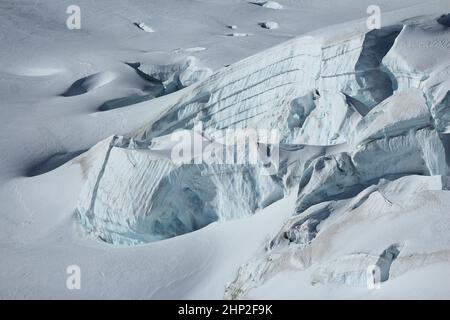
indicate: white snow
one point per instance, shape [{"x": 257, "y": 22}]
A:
[
  {"x": 86, "y": 178},
  {"x": 239, "y": 34},
  {"x": 272, "y": 5}
]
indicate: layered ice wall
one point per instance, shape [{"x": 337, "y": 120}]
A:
[
  {"x": 256, "y": 92},
  {"x": 137, "y": 194},
  {"x": 351, "y": 110},
  {"x": 298, "y": 88}
]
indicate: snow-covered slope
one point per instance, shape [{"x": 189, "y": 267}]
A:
[{"x": 360, "y": 181}]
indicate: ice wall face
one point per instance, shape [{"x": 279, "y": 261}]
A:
[
  {"x": 136, "y": 194},
  {"x": 311, "y": 91},
  {"x": 351, "y": 111}
]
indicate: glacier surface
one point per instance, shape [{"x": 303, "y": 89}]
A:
[{"x": 351, "y": 112}]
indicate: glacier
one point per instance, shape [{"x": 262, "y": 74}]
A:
[
  {"x": 351, "y": 111},
  {"x": 116, "y": 155}
]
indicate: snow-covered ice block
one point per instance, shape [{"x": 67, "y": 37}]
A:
[
  {"x": 144, "y": 27},
  {"x": 398, "y": 114},
  {"x": 178, "y": 75},
  {"x": 239, "y": 34},
  {"x": 269, "y": 25},
  {"x": 271, "y": 5},
  {"x": 406, "y": 62}
]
